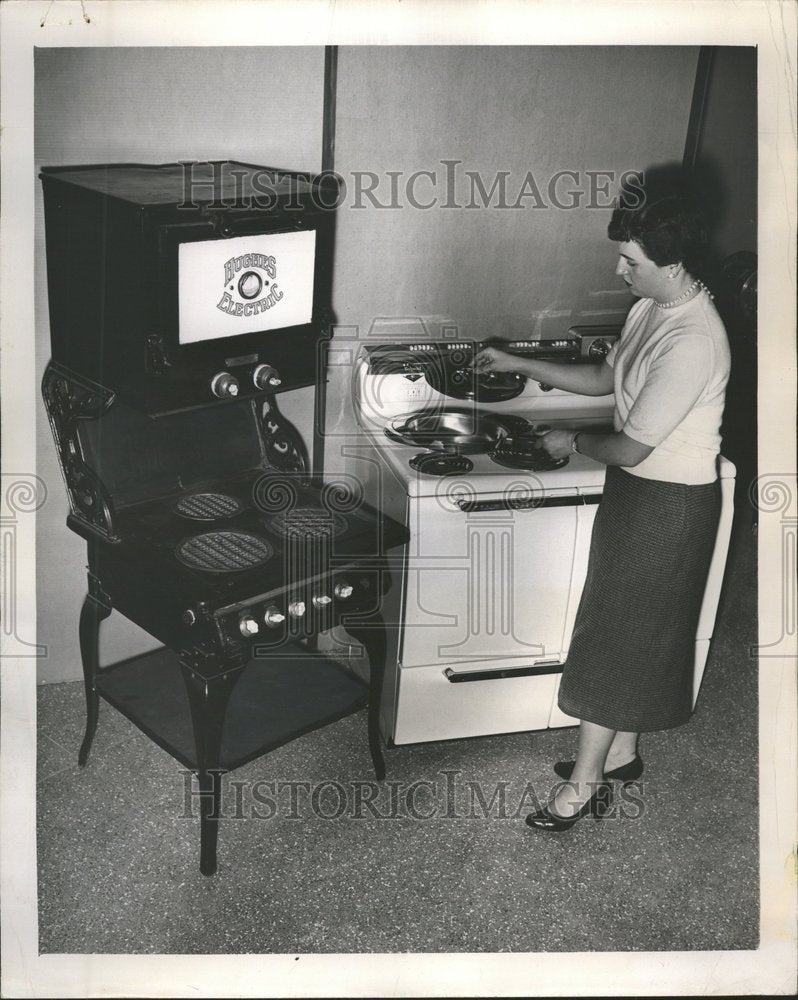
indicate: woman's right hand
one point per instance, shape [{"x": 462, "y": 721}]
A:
[{"x": 491, "y": 359}]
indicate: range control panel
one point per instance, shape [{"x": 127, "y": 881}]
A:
[
  {"x": 580, "y": 344},
  {"x": 297, "y": 612}
]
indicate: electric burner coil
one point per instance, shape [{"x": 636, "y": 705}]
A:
[
  {"x": 459, "y": 382},
  {"x": 433, "y": 463}
]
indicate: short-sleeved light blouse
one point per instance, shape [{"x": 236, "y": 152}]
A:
[{"x": 670, "y": 370}]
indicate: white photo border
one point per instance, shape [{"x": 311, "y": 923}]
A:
[{"x": 768, "y": 24}]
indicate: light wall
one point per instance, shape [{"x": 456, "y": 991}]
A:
[
  {"x": 514, "y": 110},
  {"x": 505, "y": 109},
  {"x": 519, "y": 110}
]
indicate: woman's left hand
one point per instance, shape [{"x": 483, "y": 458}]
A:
[{"x": 557, "y": 443}]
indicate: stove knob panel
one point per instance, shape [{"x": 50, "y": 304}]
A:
[
  {"x": 248, "y": 626},
  {"x": 224, "y": 385},
  {"x": 273, "y": 616},
  {"x": 296, "y": 609},
  {"x": 343, "y": 590},
  {"x": 266, "y": 377}
]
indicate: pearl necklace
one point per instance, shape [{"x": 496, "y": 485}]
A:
[{"x": 698, "y": 283}]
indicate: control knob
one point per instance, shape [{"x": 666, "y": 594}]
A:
[
  {"x": 273, "y": 616},
  {"x": 321, "y": 600},
  {"x": 248, "y": 626},
  {"x": 266, "y": 377},
  {"x": 343, "y": 590},
  {"x": 296, "y": 609},
  {"x": 598, "y": 349},
  {"x": 224, "y": 385}
]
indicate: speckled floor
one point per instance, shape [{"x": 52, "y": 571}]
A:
[{"x": 674, "y": 868}]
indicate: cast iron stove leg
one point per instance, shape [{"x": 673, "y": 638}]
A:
[
  {"x": 208, "y": 701},
  {"x": 92, "y": 613},
  {"x": 372, "y": 633}
]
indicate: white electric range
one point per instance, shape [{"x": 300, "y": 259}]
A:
[{"x": 491, "y": 578}]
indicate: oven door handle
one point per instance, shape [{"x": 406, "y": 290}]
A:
[
  {"x": 534, "y": 669},
  {"x": 528, "y": 503}
]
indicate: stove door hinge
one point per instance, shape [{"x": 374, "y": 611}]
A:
[
  {"x": 218, "y": 218},
  {"x": 97, "y": 592},
  {"x": 157, "y": 357},
  {"x": 230, "y": 221},
  {"x": 228, "y": 645}
]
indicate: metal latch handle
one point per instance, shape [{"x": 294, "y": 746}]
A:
[
  {"x": 528, "y": 503},
  {"x": 534, "y": 669}
]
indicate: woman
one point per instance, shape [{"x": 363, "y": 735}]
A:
[{"x": 630, "y": 665}]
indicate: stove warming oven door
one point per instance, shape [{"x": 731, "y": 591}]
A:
[{"x": 491, "y": 591}]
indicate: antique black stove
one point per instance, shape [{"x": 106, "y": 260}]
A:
[{"x": 184, "y": 298}]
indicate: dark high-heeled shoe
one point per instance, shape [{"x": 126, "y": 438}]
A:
[
  {"x": 626, "y": 772},
  {"x": 597, "y": 805}
]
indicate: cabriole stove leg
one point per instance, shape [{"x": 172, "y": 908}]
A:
[{"x": 91, "y": 615}]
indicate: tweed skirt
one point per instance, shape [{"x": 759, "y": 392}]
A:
[{"x": 630, "y": 663}]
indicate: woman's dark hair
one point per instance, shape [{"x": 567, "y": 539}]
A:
[{"x": 663, "y": 217}]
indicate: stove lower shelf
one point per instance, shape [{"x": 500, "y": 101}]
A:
[{"x": 276, "y": 699}]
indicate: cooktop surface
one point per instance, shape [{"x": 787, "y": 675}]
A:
[
  {"x": 500, "y": 468},
  {"x": 226, "y": 541}
]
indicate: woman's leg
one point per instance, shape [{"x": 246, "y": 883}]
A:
[
  {"x": 623, "y": 750},
  {"x": 594, "y": 744}
]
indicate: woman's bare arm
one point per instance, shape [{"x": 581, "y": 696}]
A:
[
  {"x": 587, "y": 380},
  {"x": 615, "y": 448}
]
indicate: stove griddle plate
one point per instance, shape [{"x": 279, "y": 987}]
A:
[
  {"x": 183, "y": 561},
  {"x": 308, "y": 522},
  {"x": 207, "y": 506},
  {"x": 224, "y": 551}
]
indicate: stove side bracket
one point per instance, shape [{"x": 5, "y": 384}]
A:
[
  {"x": 70, "y": 398},
  {"x": 284, "y": 447}
]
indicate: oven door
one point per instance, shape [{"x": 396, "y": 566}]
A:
[{"x": 491, "y": 594}]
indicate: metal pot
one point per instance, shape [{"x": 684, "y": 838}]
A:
[{"x": 466, "y": 432}]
